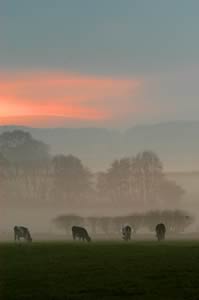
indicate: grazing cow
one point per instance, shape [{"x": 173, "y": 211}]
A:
[
  {"x": 22, "y": 232},
  {"x": 126, "y": 233},
  {"x": 81, "y": 233},
  {"x": 160, "y": 231}
]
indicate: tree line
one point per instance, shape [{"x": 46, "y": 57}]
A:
[
  {"x": 30, "y": 173},
  {"x": 176, "y": 221}
]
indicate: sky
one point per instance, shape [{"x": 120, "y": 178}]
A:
[{"x": 106, "y": 63}]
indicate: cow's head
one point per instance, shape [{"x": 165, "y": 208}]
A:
[
  {"x": 88, "y": 239},
  {"x": 29, "y": 238}
]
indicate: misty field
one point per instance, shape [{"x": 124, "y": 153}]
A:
[{"x": 101, "y": 270}]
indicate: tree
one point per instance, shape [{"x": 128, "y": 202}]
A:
[
  {"x": 148, "y": 173},
  {"x": 135, "y": 220},
  {"x": 72, "y": 181},
  {"x": 101, "y": 184},
  {"x": 170, "y": 193},
  {"x": 19, "y": 147},
  {"x": 104, "y": 223},
  {"x": 139, "y": 180},
  {"x": 118, "y": 222},
  {"x": 92, "y": 222},
  {"x": 115, "y": 182},
  {"x": 67, "y": 221},
  {"x": 28, "y": 165},
  {"x": 176, "y": 221}
]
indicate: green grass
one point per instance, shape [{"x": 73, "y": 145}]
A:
[{"x": 117, "y": 270}]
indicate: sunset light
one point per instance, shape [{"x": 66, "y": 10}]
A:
[
  {"x": 99, "y": 149},
  {"x": 42, "y": 95}
]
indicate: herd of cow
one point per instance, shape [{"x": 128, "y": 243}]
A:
[{"x": 81, "y": 233}]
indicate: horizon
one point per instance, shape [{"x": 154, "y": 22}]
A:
[
  {"x": 99, "y": 127},
  {"x": 120, "y": 129},
  {"x": 169, "y": 140}
]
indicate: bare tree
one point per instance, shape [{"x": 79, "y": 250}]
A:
[
  {"x": 115, "y": 182},
  {"x": 149, "y": 174},
  {"x": 72, "y": 181},
  {"x": 67, "y": 221},
  {"x": 28, "y": 166}
]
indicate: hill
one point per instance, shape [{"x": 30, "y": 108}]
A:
[{"x": 176, "y": 143}]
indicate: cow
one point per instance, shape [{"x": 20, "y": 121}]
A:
[
  {"x": 80, "y": 233},
  {"x": 22, "y": 232},
  {"x": 126, "y": 233},
  {"x": 160, "y": 231}
]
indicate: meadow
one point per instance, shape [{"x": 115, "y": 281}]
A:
[{"x": 100, "y": 270}]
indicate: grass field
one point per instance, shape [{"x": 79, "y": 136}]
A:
[{"x": 115, "y": 270}]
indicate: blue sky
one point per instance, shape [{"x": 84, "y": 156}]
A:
[{"x": 155, "y": 42}]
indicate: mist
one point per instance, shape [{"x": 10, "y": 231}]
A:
[{"x": 38, "y": 186}]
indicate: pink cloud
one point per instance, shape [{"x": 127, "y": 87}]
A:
[{"x": 70, "y": 96}]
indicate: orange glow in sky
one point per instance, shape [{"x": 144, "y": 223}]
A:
[{"x": 44, "y": 96}]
